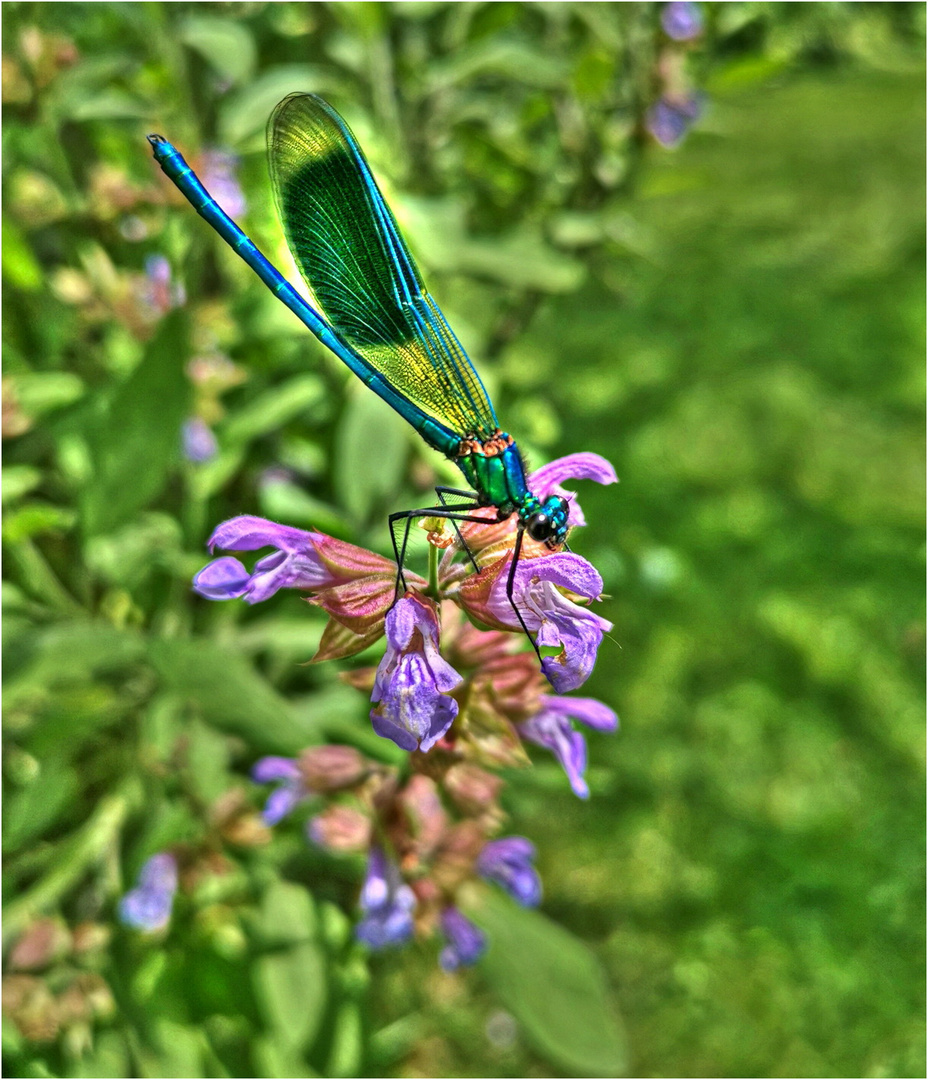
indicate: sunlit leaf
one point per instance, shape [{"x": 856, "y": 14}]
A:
[
  {"x": 137, "y": 442},
  {"x": 554, "y": 987},
  {"x": 225, "y": 43}
]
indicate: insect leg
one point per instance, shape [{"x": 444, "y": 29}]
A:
[
  {"x": 509, "y": 584},
  {"x": 407, "y": 517},
  {"x": 441, "y": 492}
]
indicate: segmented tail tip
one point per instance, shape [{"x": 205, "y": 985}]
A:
[{"x": 156, "y": 140}]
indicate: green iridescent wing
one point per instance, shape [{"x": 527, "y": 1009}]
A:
[{"x": 348, "y": 248}]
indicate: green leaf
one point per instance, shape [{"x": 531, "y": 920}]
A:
[
  {"x": 223, "y": 42},
  {"x": 372, "y": 444},
  {"x": 20, "y": 267},
  {"x": 231, "y": 695},
  {"x": 246, "y": 113},
  {"x": 69, "y": 652},
  {"x": 521, "y": 258},
  {"x": 553, "y": 985},
  {"x": 33, "y": 518},
  {"x": 272, "y": 409},
  {"x": 281, "y": 500},
  {"x": 125, "y": 557},
  {"x": 347, "y": 1042},
  {"x": 291, "y": 983},
  {"x": 19, "y": 480},
  {"x": 135, "y": 445},
  {"x": 40, "y": 392},
  {"x": 287, "y": 915}
]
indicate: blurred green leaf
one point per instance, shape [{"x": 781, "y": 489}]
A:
[
  {"x": 246, "y": 113},
  {"x": 519, "y": 259},
  {"x": 504, "y": 58},
  {"x": 281, "y": 500},
  {"x": 18, "y": 480},
  {"x": 347, "y": 1042},
  {"x": 230, "y": 694},
  {"x": 126, "y": 555},
  {"x": 291, "y": 982},
  {"x": 19, "y": 264},
  {"x": 274, "y": 408},
  {"x": 33, "y": 518},
  {"x": 134, "y": 446},
  {"x": 181, "y": 1048},
  {"x": 69, "y": 652},
  {"x": 372, "y": 446},
  {"x": 41, "y": 392},
  {"x": 31, "y": 810},
  {"x": 223, "y": 42},
  {"x": 553, "y": 985}
]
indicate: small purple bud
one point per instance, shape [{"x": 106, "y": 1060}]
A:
[
  {"x": 669, "y": 119},
  {"x": 466, "y": 943},
  {"x": 682, "y": 21},
  {"x": 387, "y": 903},
  {"x": 198, "y": 440},
  {"x": 291, "y": 789},
  {"x": 148, "y": 905},
  {"x": 508, "y": 863}
]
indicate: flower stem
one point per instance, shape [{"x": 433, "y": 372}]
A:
[{"x": 432, "y": 587}]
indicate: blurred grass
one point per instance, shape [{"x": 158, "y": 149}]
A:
[
  {"x": 751, "y": 863},
  {"x": 747, "y": 348}
]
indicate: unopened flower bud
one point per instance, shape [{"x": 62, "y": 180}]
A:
[
  {"x": 44, "y": 941},
  {"x": 472, "y": 789},
  {"x": 331, "y": 768},
  {"x": 340, "y": 829}
]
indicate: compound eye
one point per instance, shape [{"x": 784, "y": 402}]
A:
[{"x": 539, "y": 527}]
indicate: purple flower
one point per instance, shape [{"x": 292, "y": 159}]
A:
[
  {"x": 411, "y": 706},
  {"x": 158, "y": 294},
  {"x": 551, "y": 728},
  {"x": 465, "y": 942},
  {"x": 302, "y": 560},
  {"x": 555, "y": 620},
  {"x": 508, "y": 863},
  {"x": 217, "y": 170},
  {"x": 198, "y": 440},
  {"x": 547, "y": 480},
  {"x": 669, "y": 119},
  {"x": 148, "y": 905},
  {"x": 387, "y": 903},
  {"x": 291, "y": 787},
  {"x": 682, "y": 21}
]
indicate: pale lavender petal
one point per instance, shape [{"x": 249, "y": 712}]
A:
[
  {"x": 387, "y": 903},
  {"x": 280, "y": 570},
  {"x": 269, "y": 770},
  {"x": 222, "y": 579},
  {"x": 248, "y": 533},
  {"x": 548, "y": 480},
  {"x": 508, "y": 863},
  {"x": 466, "y": 943},
  {"x": 556, "y": 621},
  {"x": 159, "y": 872},
  {"x": 279, "y": 803},
  {"x": 681, "y": 20},
  {"x": 556, "y": 734},
  {"x": 148, "y": 905},
  {"x": 588, "y": 711}
]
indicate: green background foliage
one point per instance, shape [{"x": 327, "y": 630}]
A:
[{"x": 737, "y": 325}]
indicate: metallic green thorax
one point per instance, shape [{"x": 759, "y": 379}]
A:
[{"x": 495, "y": 470}]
